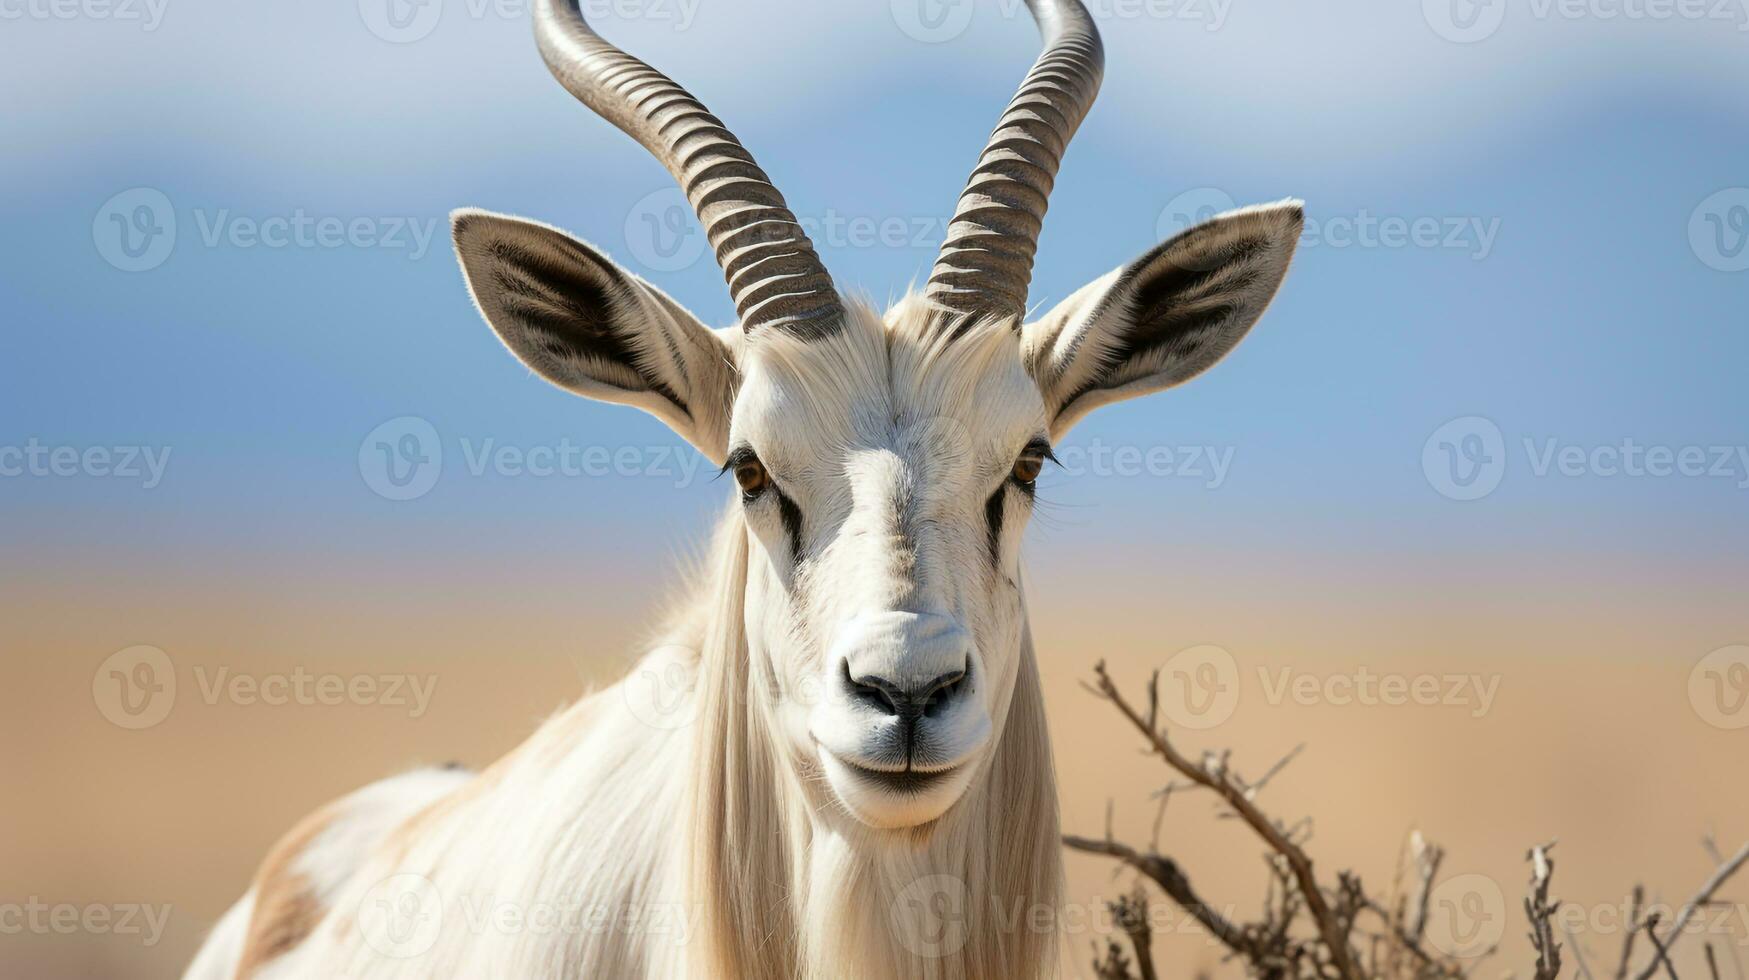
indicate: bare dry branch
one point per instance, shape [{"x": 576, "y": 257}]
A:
[
  {"x": 1216, "y": 776},
  {"x": 1719, "y": 876},
  {"x": 1541, "y": 911},
  {"x": 1661, "y": 951},
  {"x": 1166, "y": 873},
  {"x": 1633, "y": 929},
  {"x": 1279, "y": 946}
]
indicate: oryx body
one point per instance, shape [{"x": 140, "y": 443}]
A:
[{"x": 835, "y": 761}]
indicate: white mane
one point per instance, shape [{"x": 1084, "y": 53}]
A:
[{"x": 604, "y": 847}]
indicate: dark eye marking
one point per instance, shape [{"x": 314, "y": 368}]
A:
[
  {"x": 993, "y": 509},
  {"x": 792, "y": 524},
  {"x": 1023, "y": 478}
]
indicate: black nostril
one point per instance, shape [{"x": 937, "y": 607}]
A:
[
  {"x": 943, "y": 690},
  {"x": 874, "y": 692},
  {"x": 926, "y": 700}
]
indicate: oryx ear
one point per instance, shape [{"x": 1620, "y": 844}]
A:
[
  {"x": 1165, "y": 318},
  {"x": 589, "y": 326}
]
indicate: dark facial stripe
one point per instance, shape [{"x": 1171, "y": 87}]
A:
[
  {"x": 792, "y": 523},
  {"x": 993, "y": 512}
]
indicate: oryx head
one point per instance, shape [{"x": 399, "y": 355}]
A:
[{"x": 885, "y": 464}]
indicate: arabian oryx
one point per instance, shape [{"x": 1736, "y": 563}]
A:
[{"x": 857, "y": 780}]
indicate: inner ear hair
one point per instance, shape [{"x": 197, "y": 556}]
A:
[{"x": 565, "y": 309}]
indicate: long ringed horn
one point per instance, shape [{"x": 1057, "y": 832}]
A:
[
  {"x": 774, "y": 275},
  {"x": 985, "y": 263}
]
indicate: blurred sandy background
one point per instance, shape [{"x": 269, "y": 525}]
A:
[{"x": 1591, "y": 736}]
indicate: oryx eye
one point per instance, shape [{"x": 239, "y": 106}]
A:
[
  {"x": 750, "y": 474},
  {"x": 1027, "y": 467}
]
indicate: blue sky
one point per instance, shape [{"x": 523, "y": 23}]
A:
[{"x": 1564, "y": 160}]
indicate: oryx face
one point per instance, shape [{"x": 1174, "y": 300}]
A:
[
  {"x": 884, "y": 466},
  {"x": 886, "y": 477}
]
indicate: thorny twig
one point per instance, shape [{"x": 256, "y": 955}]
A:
[
  {"x": 1228, "y": 789},
  {"x": 1270, "y": 949},
  {"x": 1701, "y": 898},
  {"x": 1541, "y": 912}
]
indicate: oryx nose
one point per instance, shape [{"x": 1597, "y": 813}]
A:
[
  {"x": 922, "y": 701},
  {"x": 906, "y": 665}
]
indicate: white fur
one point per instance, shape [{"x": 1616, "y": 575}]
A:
[{"x": 732, "y": 833}]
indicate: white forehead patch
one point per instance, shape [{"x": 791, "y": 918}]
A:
[{"x": 895, "y": 385}]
